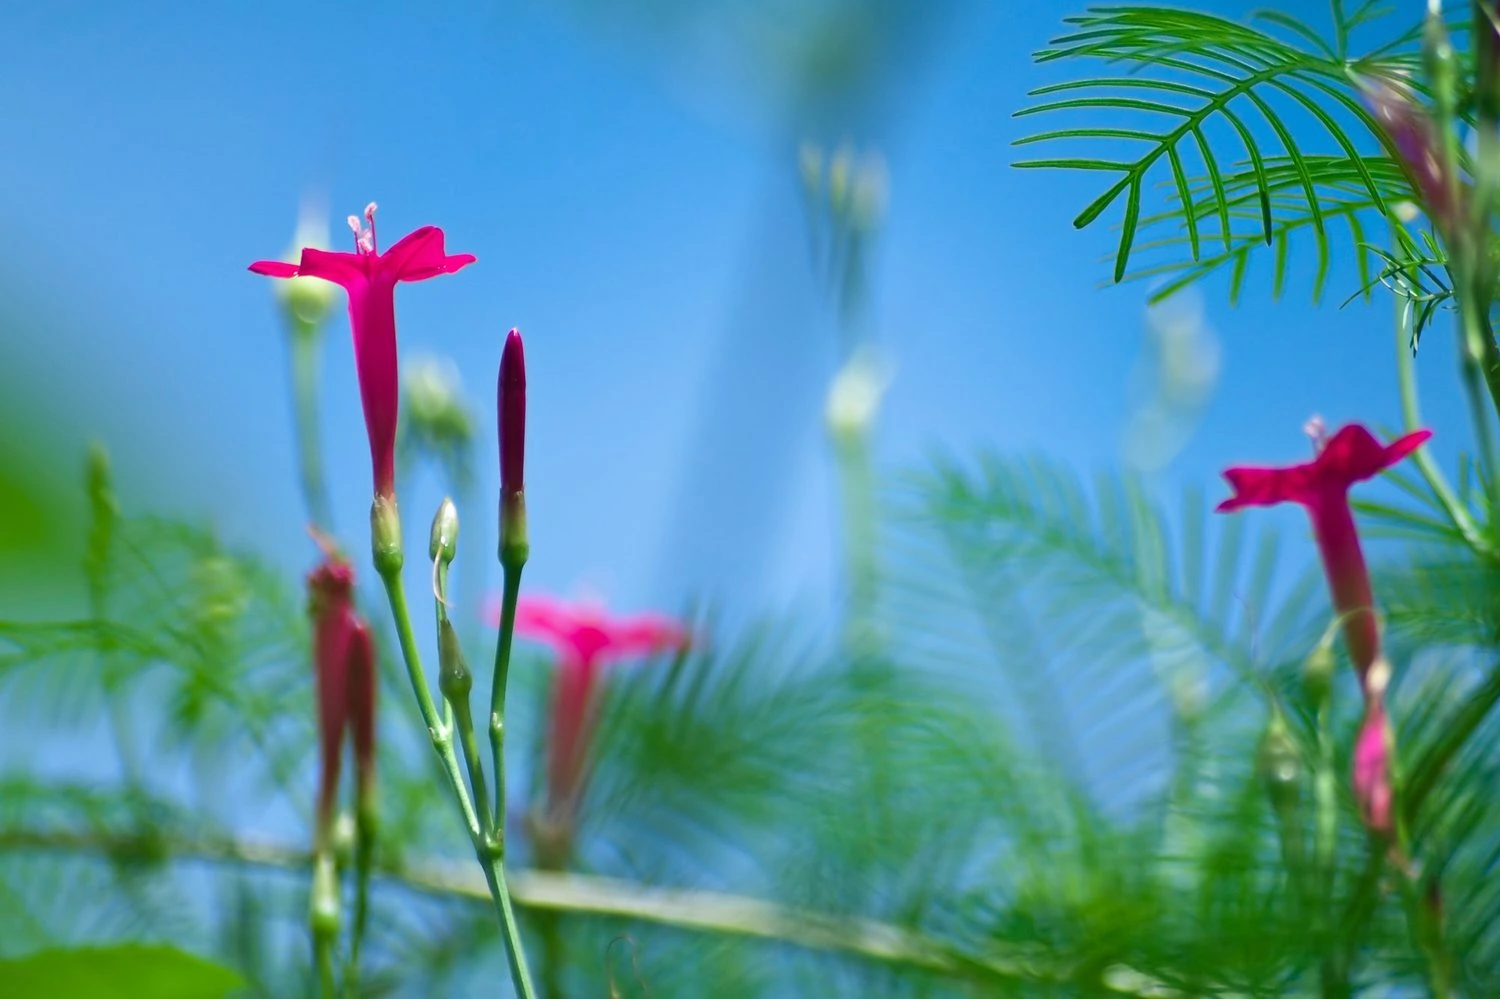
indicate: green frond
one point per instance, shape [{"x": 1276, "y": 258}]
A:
[{"x": 1194, "y": 78}]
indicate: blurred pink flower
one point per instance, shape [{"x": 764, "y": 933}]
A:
[
  {"x": 585, "y": 640},
  {"x": 344, "y": 661},
  {"x": 1372, "y": 770},
  {"x": 1322, "y": 486},
  {"x": 370, "y": 277}
]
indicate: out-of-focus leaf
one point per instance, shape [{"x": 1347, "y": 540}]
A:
[{"x": 130, "y": 971}]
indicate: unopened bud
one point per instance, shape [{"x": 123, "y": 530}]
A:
[
  {"x": 435, "y": 415},
  {"x": 855, "y": 395},
  {"x": 1279, "y": 763},
  {"x": 1373, "y": 789},
  {"x": 454, "y": 678},
  {"x": 323, "y": 908},
  {"x": 1318, "y": 670},
  {"x": 443, "y": 544},
  {"x": 341, "y": 841},
  {"x": 307, "y": 300},
  {"x": 385, "y": 536},
  {"x": 104, "y": 510},
  {"x": 515, "y": 545},
  {"x": 1412, "y": 135}
]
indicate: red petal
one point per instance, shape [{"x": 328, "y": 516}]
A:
[
  {"x": 419, "y": 255},
  {"x": 274, "y": 268},
  {"x": 342, "y": 269},
  {"x": 362, "y": 684},
  {"x": 646, "y": 635},
  {"x": 1266, "y": 486}
]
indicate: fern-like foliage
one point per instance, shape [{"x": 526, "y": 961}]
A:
[{"x": 1229, "y": 117}]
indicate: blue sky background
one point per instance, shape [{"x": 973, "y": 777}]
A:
[{"x": 629, "y": 187}]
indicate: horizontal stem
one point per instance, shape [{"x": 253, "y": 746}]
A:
[{"x": 689, "y": 909}]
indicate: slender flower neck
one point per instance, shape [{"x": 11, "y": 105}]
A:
[{"x": 364, "y": 235}]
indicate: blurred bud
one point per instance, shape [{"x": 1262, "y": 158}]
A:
[
  {"x": 869, "y": 193},
  {"x": 435, "y": 415},
  {"x": 454, "y": 678},
  {"x": 854, "y": 397},
  {"x": 1318, "y": 669},
  {"x": 341, "y": 841},
  {"x": 363, "y": 682},
  {"x": 515, "y": 544},
  {"x": 443, "y": 545},
  {"x": 307, "y": 300},
  {"x": 1372, "y": 771},
  {"x": 1411, "y": 135},
  {"x": 840, "y": 173},
  {"x": 385, "y": 536},
  {"x": 1279, "y": 764},
  {"x": 104, "y": 511},
  {"x": 810, "y": 167},
  {"x": 323, "y": 909}
]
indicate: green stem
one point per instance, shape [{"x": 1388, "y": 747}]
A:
[
  {"x": 1411, "y": 416},
  {"x": 489, "y": 850},
  {"x": 510, "y": 595},
  {"x": 549, "y": 927},
  {"x": 512, "y": 564},
  {"x": 442, "y": 737},
  {"x": 689, "y": 910},
  {"x": 323, "y": 952},
  {"x": 304, "y": 341},
  {"x": 494, "y": 875},
  {"x": 458, "y": 714}
]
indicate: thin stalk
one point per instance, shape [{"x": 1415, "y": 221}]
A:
[
  {"x": 511, "y": 593},
  {"x": 494, "y": 874},
  {"x": 304, "y": 341},
  {"x": 323, "y": 956},
  {"x": 458, "y": 709},
  {"x": 610, "y": 898},
  {"x": 549, "y": 928},
  {"x": 1411, "y": 416},
  {"x": 442, "y": 736},
  {"x": 489, "y": 850}
]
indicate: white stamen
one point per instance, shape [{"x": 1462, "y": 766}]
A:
[{"x": 1316, "y": 431}]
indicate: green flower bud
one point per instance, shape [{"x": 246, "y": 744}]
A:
[
  {"x": 1279, "y": 763},
  {"x": 385, "y": 536},
  {"x": 1318, "y": 670},
  {"x": 443, "y": 544},
  {"x": 454, "y": 678},
  {"x": 307, "y": 301},
  {"x": 323, "y": 909},
  {"x": 854, "y": 396}
]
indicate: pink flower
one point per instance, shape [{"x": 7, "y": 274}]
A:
[
  {"x": 1372, "y": 770},
  {"x": 585, "y": 640},
  {"x": 1411, "y": 133},
  {"x": 370, "y": 277},
  {"x": 1322, "y": 486},
  {"x": 344, "y": 660}
]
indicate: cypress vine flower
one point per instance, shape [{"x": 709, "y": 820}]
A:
[
  {"x": 344, "y": 663},
  {"x": 370, "y": 278},
  {"x": 585, "y": 640},
  {"x": 1322, "y": 487},
  {"x": 1413, "y": 137}
]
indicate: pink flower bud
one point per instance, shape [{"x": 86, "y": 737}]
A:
[{"x": 512, "y": 409}]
